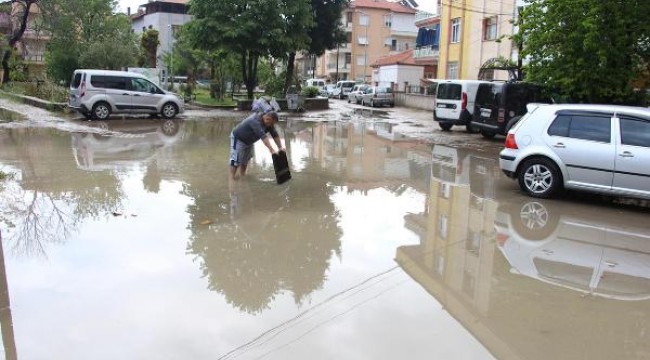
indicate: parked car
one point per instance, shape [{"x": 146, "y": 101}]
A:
[
  {"x": 597, "y": 148},
  {"x": 354, "y": 96},
  {"x": 455, "y": 103},
  {"x": 343, "y": 88},
  {"x": 378, "y": 96},
  {"x": 499, "y": 106},
  {"x": 98, "y": 93},
  {"x": 318, "y": 83},
  {"x": 329, "y": 90}
]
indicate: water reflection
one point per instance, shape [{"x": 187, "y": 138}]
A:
[{"x": 477, "y": 239}]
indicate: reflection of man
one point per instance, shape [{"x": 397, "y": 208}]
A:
[{"x": 246, "y": 134}]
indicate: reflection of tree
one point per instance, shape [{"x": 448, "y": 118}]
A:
[
  {"x": 49, "y": 195},
  {"x": 264, "y": 239}
]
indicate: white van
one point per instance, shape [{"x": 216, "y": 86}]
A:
[
  {"x": 343, "y": 88},
  {"x": 319, "y": 83},
  {"x": 99, "y": 93},
  {"x": 455, "y": 103}
]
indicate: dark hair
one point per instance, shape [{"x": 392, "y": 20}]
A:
[{"x": 273, "y": 115}]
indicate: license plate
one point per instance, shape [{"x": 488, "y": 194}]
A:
[
  {"x": 486, "y": 113},
  {"x": 442, "y": 106}
]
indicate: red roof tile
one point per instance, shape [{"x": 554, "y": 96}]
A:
[
  {"x": 382, "y": 4},
  {"x": 403, "y": 58}
]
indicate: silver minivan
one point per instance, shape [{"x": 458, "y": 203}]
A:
[
  {"x": 596, "y": 148},
  {"x": 99, "y": 93}
]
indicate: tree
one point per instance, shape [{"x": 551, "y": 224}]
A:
[
  {"x": 93, "y": 38},
  {"x": 149, "y": 43},
  {"x": 21, "y": 11},
  {"x": 588, "y": 51},
  {"x": 249, "y": 28}
]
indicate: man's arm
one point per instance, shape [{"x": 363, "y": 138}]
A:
[
  {"x": 268, "y": 145},
  {"x": 278, "y": 142}
]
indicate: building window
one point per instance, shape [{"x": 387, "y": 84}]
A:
[
  {"x": 364, "y": 20},
  {"x": 452, "y": 70},
  {"x": 490, "y": 28},
  {"x": 388, "y": 21},
  {"x": 348, "y": 58},
  {"x": 363, "y": 40},
  {"x": 348, "y": 18},
  {"x": 348, "y": 37},
  {"x": 455, "y": 30},
  {"x": 361, "y": 60}
]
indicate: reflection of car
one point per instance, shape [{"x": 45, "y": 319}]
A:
[
  {"x": 597, "y": 148},
  {"x": 378, "y": 96},
  {"x": 118, "y": 142},
  {"x": 588, "y": 250},
  {"x": 354, "y": 96},
  {"x": 97, "y": 94}
]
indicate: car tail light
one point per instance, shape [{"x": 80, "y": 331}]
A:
[
  {"x": 511, "y": 143},
  {"x": 82, "y": 89},
  {"x": 502, "y": 239},
  {"x": 464, "y": 104},
  {"x": 502, "y": 115}
]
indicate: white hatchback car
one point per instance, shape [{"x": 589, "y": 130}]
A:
[{"x": 597, "y": 148}]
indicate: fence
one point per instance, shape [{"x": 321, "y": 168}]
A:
[{"x": 415, "y": 100}]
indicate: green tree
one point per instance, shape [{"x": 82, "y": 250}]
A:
[
  {"x": 587, "y": 50},
  {"x": 93, "y": 38},
  {"x": 21, "y": 15},
  {"x": 149, "y": 43}
]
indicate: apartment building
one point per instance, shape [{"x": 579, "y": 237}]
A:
[
  {"x": 474, "y": 33},
  {"x": 374, "y": 28},
  {"x": 427, "y": 43},
  {"x": 166, "y": 16}
]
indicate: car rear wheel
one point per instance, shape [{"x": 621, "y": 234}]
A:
[
  {"x": 169, "y": 110},
  {"x": 540, "y": 178},
  {"x": 101, "y": 111},
  {"x": 445, "y": 127},
  {"x": 488, "y": 135},
  {"x": 471, "y": 129}
]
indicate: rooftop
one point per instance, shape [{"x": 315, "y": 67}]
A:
[
  {"x": 403, "y": 58},
  {"x": 382, "y": 5}
]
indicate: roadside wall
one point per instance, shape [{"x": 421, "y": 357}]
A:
[{"x": 416, "y": 101}]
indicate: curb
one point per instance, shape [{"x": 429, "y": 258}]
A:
[{"x": 36, "y": 102}]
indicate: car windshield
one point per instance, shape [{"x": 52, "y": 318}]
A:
[
  {"x": 449, "y": 91},
  {"x": 384, "y": 90}
]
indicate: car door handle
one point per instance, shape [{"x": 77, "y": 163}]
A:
[
  {"x": 136, "y": 95},
  {"x": 126, "y": 94},
  {"x": 559, "y": 146},
  {"x": 626, "y": 154}
]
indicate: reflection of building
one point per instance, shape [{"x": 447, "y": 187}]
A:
[
  {"x": 166, "y": 16},
  {"x": 514, "y": 317},
  {"x": 374, "y": 28}
]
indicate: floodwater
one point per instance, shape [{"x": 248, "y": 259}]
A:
[{"x": 127, "y": 241}]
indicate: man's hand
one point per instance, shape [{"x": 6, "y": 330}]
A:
[{"x": 282, "y": 149}]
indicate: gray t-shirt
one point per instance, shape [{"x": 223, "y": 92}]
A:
[{"x": 252, "y": 129}]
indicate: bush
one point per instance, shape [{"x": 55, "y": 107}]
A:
[
  {"x": 44, "y": 90},
  {"x": 310, "y": 91}
]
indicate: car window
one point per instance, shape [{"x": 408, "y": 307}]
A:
[
  {"x": 384, "y": 90},
  {"x": 76, "y": 81},
  {"x": 594, "y": 128},
  {"x": 489, "y": 95},
  {"x": 560, "y": 126},
  {"x": 142, "y": 85},
  {"x": 98, "y": 81},
  {"x": 116, "y": 82},
  {"x": 635, "y": 132},
  {"x": 449, "y": 91}
]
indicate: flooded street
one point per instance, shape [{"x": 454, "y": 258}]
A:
[{"x": 125, "y": 240}]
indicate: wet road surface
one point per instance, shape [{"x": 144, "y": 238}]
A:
[{"x": 125, "y": 240}]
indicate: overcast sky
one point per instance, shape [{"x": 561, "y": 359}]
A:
[{"x": 425, "y": 5}]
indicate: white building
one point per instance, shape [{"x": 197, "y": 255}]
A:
[
  {"x": 398, "y": 71},
  {"x": 166, "y": 16}
]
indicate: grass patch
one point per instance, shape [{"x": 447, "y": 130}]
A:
[
  {"x": 44, "y": 90},
  {"x": 5, "y": 176},
  {"x": 203, "y": 98}
]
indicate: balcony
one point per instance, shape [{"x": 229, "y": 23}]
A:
[
  {"x": 343, "y": 68},
  {"x": 426, "y": 53},
  {"x": 423, "y": 18}
]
